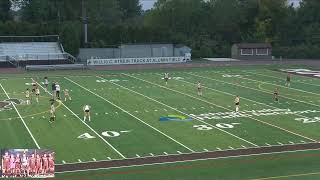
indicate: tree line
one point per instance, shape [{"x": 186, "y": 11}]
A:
[{"x": 209, "y": 27}]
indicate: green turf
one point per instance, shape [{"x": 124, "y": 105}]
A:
[{"x": 127, "y": 105}]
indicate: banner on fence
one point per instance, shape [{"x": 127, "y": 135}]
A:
[{"x": 150, "y": 60}]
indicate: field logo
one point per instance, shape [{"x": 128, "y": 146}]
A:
[
  {"x": 175, "y": 118},
  {"x": 6, "y": 104}
]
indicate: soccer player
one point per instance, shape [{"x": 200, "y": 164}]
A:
[
  {"x": 276, "y": 95},
  {"x": 5, "y": 164},
  {"x": 32, "y": 165},
  {"x": 28, "y": 96},
  {"x": 45, "y": 164},
  {"x": 166, "y": 78},
  {"x": 37, "y": 94},
  {"x": 66, "y": 95},
  {"x": 57, "y": 91},
  {"x": 237, "y": 103},
  {"x": 86, "y": 109},
  {"x": 34, "y": 86},
  {"x": 24, "y": 167},
  {"x": 12, "y": 165},
  {"x": 199, "y": 87},
  {"x": 52, "y": 113},
  {"x": 46, "y": 83},
  {"x": 18, "y": 166},
  {"x": 53, "y": 88},
  {"x": 51, "y": 164},
  {"x": 38, "y": 165},
  {"x": 288, "y": 80}
]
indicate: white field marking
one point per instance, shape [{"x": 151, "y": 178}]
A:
[
  {"x": 231, "y": 147},
  {"x": 151, "y": 154},
  {"x": 32, "y": 117},
  {"x": 179, "y": 110},
  {"x": 279, "y": 86},
  {"x": 165, "y": 110},
  {"x": 179, "y": 152},
  {"x": 94, "y": 159},
  {"x": 146, "y": 110},
  {"x": 302, "y": 141},
  {"x": 24, "y": 123},
  {"x": 95, "y": 132},
  {"x": 268, "y": 144},
  {"x": 136, "y": 111},
  {"x": 130, "y": 114},
  {"x": 243, "y": 146},
  {"x": 109, "y": 158},
  {"x": 251, "y": 101},
  {"x": 280, "y": 143},
  {"x": 138, "y": 155},
  {"x": 263, "y": 122},
  {"x": 165, "y": 153},
  {"x": 198, "y": 152},
  {"x": 291, "y": 142},
  {"x": 65, "y": 115},
  {"x": 300, "y": 81},
  {"x": 156, "y": 110},
  {"x": 206, "y": 150},
  {"x": 219, "y": 149},
  {"x": 106, "y": 113},
  {"x": 79, "y": 160},
  {"x": 63, "y": 162}
]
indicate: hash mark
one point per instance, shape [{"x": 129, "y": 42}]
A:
[
  {"x": 138, "y": 155},
  {"x": 109, "y": 158},
  {"x": 243, "y": 146},
  {"x": 79, "y": 160},
  {"x": 165, "y": 153},
  {"x": 303, "y": 141},
  {"x": 268, "y": 144},
  {"x": 291, "y": 142},
  {"x": 151, "y": 154},
  {"x": 219, "y": 149},
  {"x": 179, "y": 152},
  {"x": 94, "y": 159},
  {"x": 206, "y": 150},
  {"x": 280, "y": 143},
  {"x": 63, "y": 162},
  {"x": 231, "y": 147}
]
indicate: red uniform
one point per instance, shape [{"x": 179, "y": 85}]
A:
[
  {"x": 6, "y": 162},
  {"x": 18, "y": 163},
  {"x": 45, "y": 162},
  {"x": 51, "y": 163},
  {"x": 38, "y": 163},
  {"x": 32, "y": 163}
]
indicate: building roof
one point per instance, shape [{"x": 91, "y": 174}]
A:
[{"x": 253, "y": 45}]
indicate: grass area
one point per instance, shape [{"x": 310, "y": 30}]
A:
[{"x": 126, "y": 107}]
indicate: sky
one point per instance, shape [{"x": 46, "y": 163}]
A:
[{"x": 148, "y": 4}]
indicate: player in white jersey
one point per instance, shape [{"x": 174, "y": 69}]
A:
[
  {"x": 166, "y": 78},
  {"x": 28, "y": 96},
  {"x": 52, "y": 112},
  {"x": 199, "y": 87},
  {"x": 237, "y": 103},
  {"x": 46, "y": 83},
  {"x": 37, "y": 93},
  {"x": 66, "y": 95},
  {"x": 57, "y": 91},
  {"x": 86, "y": 110}
]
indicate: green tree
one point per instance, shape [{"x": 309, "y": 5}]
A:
[{"x": 5, "y": 6}]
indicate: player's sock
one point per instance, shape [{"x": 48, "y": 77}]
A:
[
  {"x": 89, "y": 118},
  {"x": 84, "y": 118}
]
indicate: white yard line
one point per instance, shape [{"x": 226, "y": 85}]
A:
[
  {"x": 24, "y": 123},
  {"x": 95, "y": 132},
  {"x": 226, "y": 108},
  {"x": 142, "y": 165},
  {"x": 179, "y": 110},
  {"x": 131, "y": 115},
  {"x": 251, "y": 101},
  {"x": 283, "y": 79}
]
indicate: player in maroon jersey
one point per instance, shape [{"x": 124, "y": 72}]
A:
[
  {"x": 38, "y": 165},
  {"x": 45, "y": 165},
  {"x": 32, "y": 165},
  {"x": 51, "y": 164},
  {"x": 18, "y": 166},
  {"x": 5, "y": 164},
  {"x": 12, "y": 165}
]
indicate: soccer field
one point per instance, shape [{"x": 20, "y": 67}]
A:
[{"x": 134, "y": 114}]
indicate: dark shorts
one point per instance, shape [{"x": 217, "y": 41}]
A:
[
  {"x": 87, "y": 111},
  {"x": 37, "y": 94},
  {"x": 166, "y": 79},
  {"x": 237, "y": 104}
]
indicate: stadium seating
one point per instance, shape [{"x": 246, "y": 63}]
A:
[{"x": 26, "y": 51}]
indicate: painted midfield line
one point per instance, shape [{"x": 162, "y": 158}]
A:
[
  {"x": 95, "y": 132},
  {"x": 24, "y": 123},
  {"x": 131, "y": 115},
  {"x": 223, "y": 107},
  {"x": 179, "y": 110},
  {"x": 251, "y": 101}
]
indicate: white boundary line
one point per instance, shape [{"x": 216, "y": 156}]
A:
[
  {"x": 175, "y": 109},
  {"x": 24, "y": 123},
  {"x": 130, "y": 115},
  {"x": 95, "y": 132},
  {"x": 223, "y": 107},
  {"x": 274, "y": 77},
  {"x": 142, "y": 165}
]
